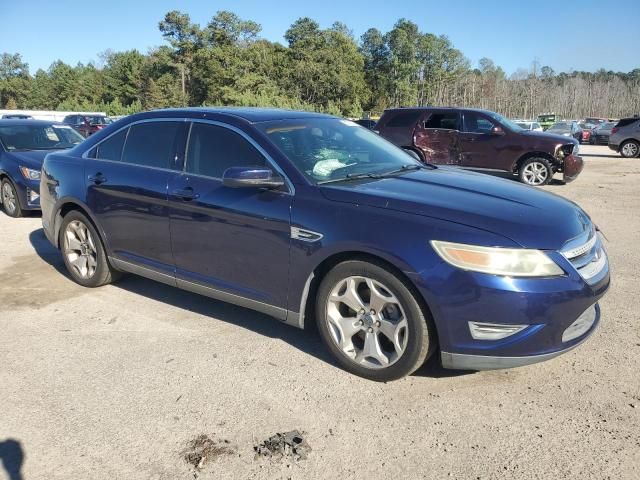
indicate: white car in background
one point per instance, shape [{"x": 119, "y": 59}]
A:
[{"x": 529, "y": 125}]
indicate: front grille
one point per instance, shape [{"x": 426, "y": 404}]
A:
[{"x": 589, "y": 258}]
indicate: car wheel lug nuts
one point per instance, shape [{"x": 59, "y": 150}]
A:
[
  {"x": 370, "y": 330},
  {"x": 372, "y": 312},
  {"x": 361, "y": 322},
  {"x": 377, "y": 324}
]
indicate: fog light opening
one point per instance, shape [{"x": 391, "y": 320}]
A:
[
  {"x": 493, "y": 331},
  {"x": 581, "y": 326}
]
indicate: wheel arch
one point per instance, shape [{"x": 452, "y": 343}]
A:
[
  {"x": 523, "y": 158},
  {"x": 307, "y": 317},
  {"x": 66, "y": 205}
]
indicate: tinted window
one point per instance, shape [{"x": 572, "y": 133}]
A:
[
  {"x": 626, "y": 121},
  {"x": 23, "y": 137},
  {"x": 111, "y": 148},
  {"x": 448, "y": 121},
  {"x": 404, "y": 119},
  {"x": 213, "y": 149},
  {"x": 151, "y": 144},
  {"x": 474, "y": 123}
]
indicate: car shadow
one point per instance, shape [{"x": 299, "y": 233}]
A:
[
  {"x": 600, "y": 155},
  {"x": 307, "y": 340},
  {"x": 12, "y": 458}
]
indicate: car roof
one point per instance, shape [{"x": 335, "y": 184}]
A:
[
  {"x": 31, "y": 122},
  {"x": 249, "y": 114},
  {"x": 453, "y": 109}
]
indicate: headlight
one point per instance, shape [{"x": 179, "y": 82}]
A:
[
  {"x": 513, "y": 262},
  {"x": 30, "y": 174},
  {"x": 576, "y": 149}
]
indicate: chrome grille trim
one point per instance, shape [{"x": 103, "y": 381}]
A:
[
  {"x": 581, "y": 250},
  {"x": 593, "y": 268}
]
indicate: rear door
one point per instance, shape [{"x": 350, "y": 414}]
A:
[
  {"x": 127, "y": 191},
  {"x": 229, "y": 241},
  {"x": 437, "y": 136}
]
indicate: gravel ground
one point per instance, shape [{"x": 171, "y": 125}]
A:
[{"x": 116, "y": 382}]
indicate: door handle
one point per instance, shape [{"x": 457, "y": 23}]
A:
[
  {"x": 98, "y": 178},
  {"x": 186, "y": 193}
]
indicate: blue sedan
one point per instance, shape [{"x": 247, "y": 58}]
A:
[
  {"x": 23, "y": 146},
  {"x": 312, "y": 218}
]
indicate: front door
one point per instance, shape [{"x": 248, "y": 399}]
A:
[
  {"x": 127, "y": 191},
  {"x": 437, "y": 137},
  {"x": 478, "y": 146},
  {"x": 233, "y": 241}
]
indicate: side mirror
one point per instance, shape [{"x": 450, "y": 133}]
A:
[
  {"x": 256, "y": 177},
  {"x": 497, "y": 131}
]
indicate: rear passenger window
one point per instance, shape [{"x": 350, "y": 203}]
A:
[
  {"x": 111, "y": 148},
  {"x": 213, "y": 149},
  {"x": 446, "y": 121},
  {"x": 404, "y": 119},
  {"x": 152, "y": 144}
]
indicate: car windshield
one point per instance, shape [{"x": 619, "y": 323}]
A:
[
  {"x": 546, "y": 118},
  {"x": 561, "y": 127},
  {"x": 524, "y": 125},
  {"x": 513, "y": 126},
  {"x": 99, "y": 120},
  {"x": 330, "y": 149},
  {"x": 38, "y": 137}
]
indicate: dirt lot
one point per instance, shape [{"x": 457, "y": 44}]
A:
[{"x": 116, "y": 382}]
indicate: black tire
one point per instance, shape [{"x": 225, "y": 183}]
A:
[
  {"x": 531, "y": 164},
  {"x": 103, "y": 273},
  {"x": 16, "y": 211},
  {"x": 630, "y": 149},
  {"x": 419, "y": 337}
]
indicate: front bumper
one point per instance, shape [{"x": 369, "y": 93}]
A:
[
  {"x": 461, "y": 361},
  {"x": 572, "y": 166},
  {"x": 544, "y": 308},
  {"x": 28, "y": 192}
]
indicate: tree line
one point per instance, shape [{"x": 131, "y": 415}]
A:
[{"x": 226, "y": 62}]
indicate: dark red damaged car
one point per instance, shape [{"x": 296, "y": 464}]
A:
[{"x": 481, "y": 140}]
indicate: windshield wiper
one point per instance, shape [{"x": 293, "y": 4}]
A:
[
  {"x": 404, "y": 168},
  {"x": 350, "y": 177}
]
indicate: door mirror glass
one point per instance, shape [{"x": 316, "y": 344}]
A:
[
  {"x": 497, "y": 131},
  {"x": 256, "y": 177}
]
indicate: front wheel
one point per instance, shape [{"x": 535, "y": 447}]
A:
[
  {"x": 83, "y": 252},
  {"x": 536, "y": 171},
  {"x": 10, "y": 199},
  {"x": 630, "y": 149},
  {"x": 372, "y": 322}
]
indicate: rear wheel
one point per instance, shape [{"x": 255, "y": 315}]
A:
[
  {"x": 372, "y": 322},
  {"x": 536, "y": 171},
  {"x": 83, "y": 252},
  {"x": 10, "y": 200},
  {"x": 630, "y": 149}
]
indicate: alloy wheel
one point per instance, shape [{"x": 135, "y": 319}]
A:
[
  {"x": 630, "y": 149},
  {"x": 9, "y": 198},
  {"x": 367, "y": 322},
  {"x": 80, "y": 249},
  {"x": 535, "y": 173}
]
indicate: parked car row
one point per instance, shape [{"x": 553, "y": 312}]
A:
[{"x": 312, "y": 218}]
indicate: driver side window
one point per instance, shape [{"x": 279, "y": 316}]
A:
[
  {"x": 475, "y": 123},
  {"x": 212, "y": 149}
]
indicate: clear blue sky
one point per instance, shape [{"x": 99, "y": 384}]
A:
[{"x": 564, "y": 34}]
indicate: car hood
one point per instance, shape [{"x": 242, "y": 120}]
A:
[
  {"x": 550, "y": 136},
  {"x": 526, "y": 215},
  {"x": 31, "y": 159}
]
